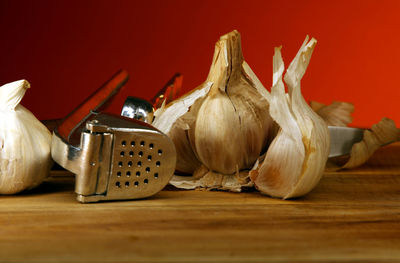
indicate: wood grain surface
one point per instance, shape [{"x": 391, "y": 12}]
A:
[{"x": 351, "y": 216}]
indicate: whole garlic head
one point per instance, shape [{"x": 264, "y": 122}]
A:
[
  {"x": 232, "y": 122},
  {"x": 221, "y": 128},
  {"x": 24, "y": 142}
]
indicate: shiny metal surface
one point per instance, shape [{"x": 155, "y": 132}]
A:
[
  {"x": 343, "y": 139},
  {"x": 117, "y": 159},
  {"x": 136, "y": 108}
]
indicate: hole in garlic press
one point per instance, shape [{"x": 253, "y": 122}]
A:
[
  {"x": 146, "y": 181},
  {"x": 136, "y": 183}
]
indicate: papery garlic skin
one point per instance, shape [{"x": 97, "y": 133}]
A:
[
  {"x": 296, "y": 159},
  {"x": 174, "y": 120},
  {"x": 337, "y": 113},
  {"x": 381, "y": 133},
  {"x": 25, "y": 158}
]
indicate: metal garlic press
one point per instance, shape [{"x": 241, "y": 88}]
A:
[{"x": 114, "y": 158}]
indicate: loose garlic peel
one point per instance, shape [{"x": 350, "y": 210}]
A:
[
  {"x": 174, "y": 121},
  {"x": 335, "y": 114},
  {"x": 295, "y": 161},
  {"x": 24, "y": 142},
  {"x": 339, "y": 114},
  {"x": 380, "y": 134}
]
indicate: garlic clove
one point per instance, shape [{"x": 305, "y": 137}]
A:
[
  {"x": 216, "y": 124},
  {"x": 315, "y": 133},
  {"x": 335, "y": 114},
  {"x": 282, "y": 165},
  {"x": 187, "y": 161},
  {"x": 295, "y": 160}
]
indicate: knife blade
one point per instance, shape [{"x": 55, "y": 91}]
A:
[{"x": 343, "y": 139}]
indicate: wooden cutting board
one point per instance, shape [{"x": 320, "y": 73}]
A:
[{"x": 351, "y": 216}]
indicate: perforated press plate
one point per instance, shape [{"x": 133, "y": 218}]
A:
[{"x": 141, "y": 164}]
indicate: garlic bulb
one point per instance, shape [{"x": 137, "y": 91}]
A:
[
  {"x": 232, "y": 123},
  {"x": 296, "y": 158},
  {"x": 222, "y": 127},
  {"x": 24, "y": 142}
]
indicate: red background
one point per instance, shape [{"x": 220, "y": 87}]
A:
[{"x": 67, "y": 49}]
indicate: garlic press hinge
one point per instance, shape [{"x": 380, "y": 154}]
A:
[
  {"x": 95, "y": 162},
  {"x": 90, "y": 161}
]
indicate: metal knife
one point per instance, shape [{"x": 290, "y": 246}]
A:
[{"x": 343, "y": 139}]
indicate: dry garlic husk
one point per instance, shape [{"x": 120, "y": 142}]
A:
[
  {"x": 380, "y": 134},
  {"x": 174, "y": 121},
  {"x": 24, "y": 142},
  {"x": 335, "y": 114},
  {"x": 221, "y": 128},
  {"x": 296, "y": 158}
]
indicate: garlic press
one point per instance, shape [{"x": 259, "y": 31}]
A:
[{"x": 113, "y": 157}]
